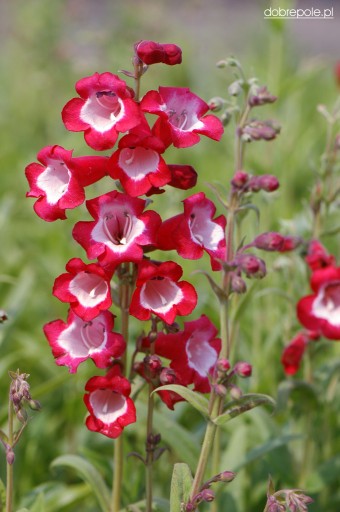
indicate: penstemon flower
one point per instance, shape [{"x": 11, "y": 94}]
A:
[
  {"x": 85, "y": 287},
  {"x": 105, "y": 108},
  {"x": 119, "y": 231},
  {"x": 58, "y": 181},
  {"x": 78, "y": 340},
  {"x": 108, "y": 402},
  {"x": 160, "y": 291}
]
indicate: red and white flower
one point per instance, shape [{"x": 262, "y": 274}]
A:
[
  {"x": 58, "y": 181},
  {"x": 159, "y": 292},
  {"x": 77, "y": 340},
  {"x": 321, "y": 311},
  {"x": 108, "y": 402},
  {"x": 85, "y": 287},
  {"x": 182, "y": 116},
  {"x": 193, "y": 352},
  {"x": 120, "y": 230},
  {"x": 138, "y": 163},
  {"x": 105, "y": 108},
  {"x": 195, "y": 231}
]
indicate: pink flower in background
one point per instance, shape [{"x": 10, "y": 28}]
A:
[
  {"x": 109, "y": 404},
  {"x": 193, "y": 352},
  {"x": 182, "y": 116},
  {"x": 293, "y": 353},
  {"x": 321, "y": 310},
  {"x": 317, "y": 256},
  {"x": 105, "y": 108},
  {"x": 150, "y": 52},
  {"x": 138, "y": 164},
  {"x": 195, "y": 231},
  {"x": 58, "y": 181},
  {"x": 85, "y": 287},
  {"x": 77, "y": 340},
  {"x": 159, "y": 292},
  {"x": 120, "y": 230}
]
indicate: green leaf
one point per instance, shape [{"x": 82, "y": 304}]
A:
[
  {"x": 194, "y": 398},
  {"x": 243, "y": 404},
  {"x": 158, "y": 505},
  {"x": 181, "y": 483},
  {"x": 306, "y": 394},
  {"x": 39, "y": 504},
  {"x": 90, "y": 475}
]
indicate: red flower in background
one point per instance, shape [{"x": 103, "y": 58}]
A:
[
  {"x": 58, "y": 181},
  {"x": 181, "y": 116},
  {"x": 159, "y": 292},
  {"x": 109, "y": 404},
  {"x": 321, "y": 310},
  {"x": 293, "y": 353},
  {"x": 105, "y": 108},
  {"x": 77, "y": 340},
  {"x": 317, "y": 256}
]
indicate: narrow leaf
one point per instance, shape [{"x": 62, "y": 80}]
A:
[
  {"x": 181, "y": 483},
  {"x": 194, "y": 398},
  {"x": 243, "y": 404},
  {"x": 89, "y": 474},
  {"x": 2, "y": 496}
]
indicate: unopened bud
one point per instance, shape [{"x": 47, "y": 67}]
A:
[
  {"x": 35, "y": 405},
  {"x": 290, "y": 243},
  {"x": 243, "y": 369},
  {"x": 235, "y": 392},
  {"x": 10, "y": 457},
  {"x": 207, "y": 495},
  {"x": 153, "y": 365},
  {"x": 235, "y": 88},
  {"x": 226, "y": 476},
  {"x": 260, "y": 130},
  {"x": 240, "y": 179},
  {"x": 167, "y": 376},
  {"x": 237, "y": 284},
  {"x": 261, "y": 97},
  {"x": 22, "y": 415},
  {"x": 220, "y": 390},
  {"x": 251, "y": 265},
  {"x": 223, "y": 365},
  {"x": 3, "y": 316},
  {"x": 266, "y": 182},
  {"x": 226, "y": 117},
  {"x": 216, "y": 104},
  {"x": 269, "y": 241}
]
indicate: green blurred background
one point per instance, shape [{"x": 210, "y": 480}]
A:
[{"x": 46, "y": 46}]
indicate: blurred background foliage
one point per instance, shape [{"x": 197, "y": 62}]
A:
[{"x": 46, "y": 47}]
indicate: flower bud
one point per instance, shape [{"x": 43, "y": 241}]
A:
[
  {"x": 237, "y": 284},
  {"x": 269, "y": 241},
  {"x": 3, "y": 316},
  {"x": 35, "y": 405},
  {"x": 290, "y": 243},
  {"x": 251, "y": 265},
  {"x": 240, "y": 179},
  {"x": 226, "y": 476},
  {"x": 260, "y": 130},
  {"x": 153, "y": 365},
  {"x": 22, "y": 415},
  {"x": 220, "y": 390},
  {"x": 223, "y": 365},
  {"x": 150, "y": 52},
  {"x": 10, "y": 456},
  {"x": 235, "y": 88},
  {"x": 167, "y": 376},
  {"x": 207, "y": 495},
  {"x": 261, "y": 97},
  {"x": 235, "y": 392},
  {"x": 243, "y": 369},
  {"x": 216, "y": 104},
  {"x": 266, "y": 182},
  {"x": 183, "y": 177}
]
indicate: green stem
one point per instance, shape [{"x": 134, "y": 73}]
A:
[
  {"x": 117, "y": 474},
  {"x": 149, "y": 455},
  {"x": 9, "y": 476}
]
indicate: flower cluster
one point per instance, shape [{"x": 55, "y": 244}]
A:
[
  {"x": 124, "y": 231},
  {"x": 319, "y": 312}
]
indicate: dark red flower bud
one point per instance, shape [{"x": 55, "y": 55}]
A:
[
  {"x": 153, "y": 365},
  {"x": 207, "y": 495},
  {"x": 243, "y": 369},
  {"x": 290, "y": 243},
  {"x": 10, "y": 457},
  {"x": 251, "y": 265},
  {"x": 237, "y": 284},
  {"x": 269, "y": 241},
  {"x": 240, "y": 179},
  {"x": 266, "y": 182},
  {"x": 167, "y": 376},
  {"x": 150, "y": 52},
  {"x": 293, "y": 353},
  {"x": 261, "y": 97},
  {"x": 317, "y": 256},
  {"x": 220, "y": 390},
  {"x": 223, "y": 365},
  {"x": 183, "y": 177}
]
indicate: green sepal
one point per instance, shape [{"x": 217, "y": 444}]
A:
[{"x": 181, "y": 483}]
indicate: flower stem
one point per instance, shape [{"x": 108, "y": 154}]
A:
[
  {"x": 149, "y": 454},
  {"x": 9, "y": 475}
]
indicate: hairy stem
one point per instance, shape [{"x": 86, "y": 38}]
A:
[{"x": 9, "y": 472}]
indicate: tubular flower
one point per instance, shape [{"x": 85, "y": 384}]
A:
[
  {"x": 293, "y": 353},
  {"x": 195, "y": 231},
  {"x": 321, "y": 311},
  {"x": 181, "y": 116},
  {"x": 85, "y": 287},
  {"x": 109, "y": 404},
  {"x": 193, "y": 352},
  {"x": 119, "y": 231},
  {"x": 317, "y": 256},
  {"x": 58, "y": 181},
  {"x": 159, "y": 291},
  {"x": 77, "y": 340},
  {"x": 138, "y": 163},
  {"x": 105, "y": 108}
]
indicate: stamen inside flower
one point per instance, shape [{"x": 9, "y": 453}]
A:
[
  {"x": 204, "y": 231},
  {"x": 54, "y": 180},
  {"x": 107, "y": 405},
  {"x": 102, "y": 110},
  {"x": 160, "y": 294},
  {"x": 201, "y": 356},
  {"x": 327, "y": 303},
  {"x": 89, "y": 289},
  {"x": 138, "y": 162}
]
